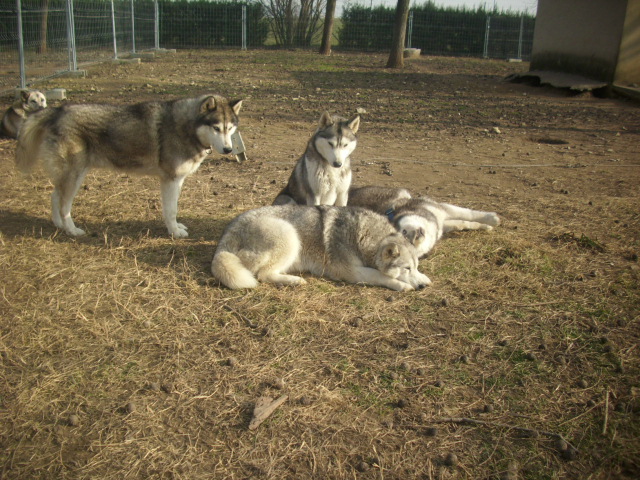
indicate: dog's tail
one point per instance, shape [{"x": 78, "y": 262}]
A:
[
  {"x": 30, "y": 138},
  {"x": 230, "y": 271}
]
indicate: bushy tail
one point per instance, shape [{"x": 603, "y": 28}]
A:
[
  {"x": 230, "y": 271},
  {"x": 30, "y": 140}
]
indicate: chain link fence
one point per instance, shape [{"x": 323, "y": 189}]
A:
[{"x": 43, "y": 38}]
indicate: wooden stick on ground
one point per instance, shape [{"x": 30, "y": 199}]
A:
[{"x": 264, "y": 407}]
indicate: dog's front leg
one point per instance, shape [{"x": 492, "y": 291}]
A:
[
  {"x": 170, "y": 191},
  {"x": 372, "y": 276},
  {"x": 342, "y": 198}
]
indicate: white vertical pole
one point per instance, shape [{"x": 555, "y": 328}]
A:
[
  {"x": 23, "y": 75},
  {"x": 520, "y": 37},
  {"x": 244, "y": 27},
  {"x": 113, "y": 30},
  {"x": 71, "y": 38},
  {"x": 156, "y": 25},
  {"x": 133, "y": 30},
  {"x": 486, "y": 38},
  {"x": 410, "y": 29}
]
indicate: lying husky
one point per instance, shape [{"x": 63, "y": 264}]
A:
[
  {"x": 422, "y": 220},
  {"x": 322, "y": 175},
  {"x": 29, "y": 101},
  {"x": 164, "y": 139},
  {"x": 345, "y": 244}
]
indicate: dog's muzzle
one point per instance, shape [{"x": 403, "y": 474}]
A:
[
  {"x": 337, "y": 164},
  {"x": 227, "y": 150}
]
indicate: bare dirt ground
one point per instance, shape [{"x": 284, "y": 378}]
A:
[{"x": 121, "y": 357}]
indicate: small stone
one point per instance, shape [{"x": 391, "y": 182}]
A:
[
  {"x": 503, "y": 343},
  {"x": 167, "y": 387},
  {"x": 444, "y": 302},
  {"x": 130, "y": 407},
  {"x": 438, "y": 383},
  {"x": 363, "y": 466},
  {"x": 305, "y": 400},
  {"x": 570, "y": 454},
  {"x": 488, "y": 408},
  {"x": 278, "y": 383},
  {"x": 451, "y": 460},
  {"x": 464, "y": 359},
  {"x": 530, "y": 356},
  {"x": 561, "y": 445},
  {"x": 405, "y": 366},
  {"x": 591, "y": 403},
  {"x": 154, "y": 386},
  {"x": 431, "y": 432},
  {"x": 147, "y": 324},
  {"x": 73, "y": 420},
  {"x": 394, "y": 376},
  {"x": 403, "y": 403},
  {"x": 582, "y": 383},
  {"x": 232, "y": 362},
  {"x": 356, "y": 322},
  {"x": 420, "y": 371}
]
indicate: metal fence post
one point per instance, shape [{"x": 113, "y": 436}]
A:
[
  {"x": 113, "y": 30},
  {"x": 71, "y": 38},
  {"x": 409, "y": 29},
  {"x": 520, "y": 38},
  {"x": 485, "y": 53},
  {"x": 156, "y": 25},
  {"x": 133, "y": 30},
  {"x": 23, "y": 75},
  {"x": 244, "y": 27}
]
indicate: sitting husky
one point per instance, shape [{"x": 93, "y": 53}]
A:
[
  {"x": 28, "y": 102},
  {"x": 322, "y": 175},
  {"x": 165, "y": 139},
  {"x": 345, "y": 244},
  {"x": 421, "y": 220}
]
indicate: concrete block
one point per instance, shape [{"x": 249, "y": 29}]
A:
[
  {"x": 411, "y": 52},
  {"x": 56, "y": 94}
]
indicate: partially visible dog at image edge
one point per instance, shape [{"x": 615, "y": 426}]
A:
[
  {"x": 168, "y": 140},
  {"x": 346, "y": 244},
  {"x": 29, "y": 101},
  {"x": 322, "y": 176}
]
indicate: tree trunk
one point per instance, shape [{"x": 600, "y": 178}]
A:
[
  {"x": 325, "y": 47},
  {"x": 42, "y": 47},
  {"x": 396, "y": 59}
]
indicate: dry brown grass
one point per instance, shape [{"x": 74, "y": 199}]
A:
[{"x": 115, "y": 348}]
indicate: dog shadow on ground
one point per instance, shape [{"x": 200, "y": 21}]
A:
[{"x": 146, "y": 241}]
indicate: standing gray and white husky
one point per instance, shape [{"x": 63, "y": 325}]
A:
[
  {"x": 353, "y": 245},
  {"x": 168, "y": 140},
  {"x": 322, "y": 175},
  {"x": 28, "y": 102},
  {"x": 421, "y": 220}
]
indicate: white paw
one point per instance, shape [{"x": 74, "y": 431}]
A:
[
  {"x": 486, "y": 228},
  {"x": 75, "y": 231},
  {"x": 492, "y": 219},
  {"x": 403, "y": 287},
  {"x": 178, "y": 231},
  {"x": 181, "y": 226}
]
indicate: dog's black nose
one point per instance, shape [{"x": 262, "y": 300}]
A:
[
  {"x": 337, "y": 164},
  {"x": 420, "y": 287},
  {"x": 226, "y": 150}
]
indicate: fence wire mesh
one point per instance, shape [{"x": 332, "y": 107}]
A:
[{"x": 56, "y": 36}]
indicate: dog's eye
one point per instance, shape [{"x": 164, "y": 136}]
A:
[
  {"x": 404, "y": 232},
  {"x": 217, "y": 129},
  {"x": 407, "y": 268}
]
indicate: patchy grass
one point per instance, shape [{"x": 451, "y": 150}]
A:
[{"x": 120, "y": 356}]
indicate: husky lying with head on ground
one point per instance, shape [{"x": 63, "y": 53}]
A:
[
  {"x": 352, "y": 245},
  {"x": 164, "y": 139},
  {"x": 322, "y": 175},
  {"x": 28, "y": 102},
  {"x": 421, "y": 220}
]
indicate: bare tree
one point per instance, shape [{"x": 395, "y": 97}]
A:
[
  {"x": 42, "y": 46},
  {"x": 325, "y": 46},
  {"x": 396, "y": 58},
  {"x": 294, "y": 22}
]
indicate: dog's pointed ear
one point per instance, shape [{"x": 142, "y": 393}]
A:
[
  {"x": 325, "y": 120},
  {"x": 392, "y": 251},
  {"x": 236, "y": 105},
  {"x": 420, "y": 232},
  {"x": 208, "y": 105},
  {"x": 354, "y": 124},
  {"x": 24, "y": 95}
]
